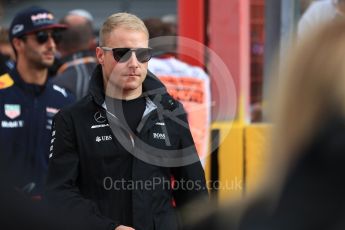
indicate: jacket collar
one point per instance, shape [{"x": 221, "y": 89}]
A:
[
  {"x": 152, "y": 87},
  {"x": 27, "y": 87},
  {"x": 96, "y": 86}
]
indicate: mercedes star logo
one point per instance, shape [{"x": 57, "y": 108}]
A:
[{"x": 99, "y": 118}]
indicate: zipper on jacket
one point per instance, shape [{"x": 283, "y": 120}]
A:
[{"x": 124, "y": 128}]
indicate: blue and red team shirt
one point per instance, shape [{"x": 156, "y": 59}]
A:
[{"x": 26, "y": 113}]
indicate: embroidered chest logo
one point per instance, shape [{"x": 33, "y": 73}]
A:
[
  {"x": 99, "y": 126},
  {"x": 5, "y": 81},
  {"x": 103, "y": 138},
  {"x": 99, "y": 118},
  {"x": 12, "y": 124},
  {"x": 12, "y": 110},
  {"x": 160, "y": 123},
  {"x": 61, "y": 90},
  {"x": 159, "y": 136}
]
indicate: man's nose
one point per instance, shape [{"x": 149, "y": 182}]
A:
[{"x": 133, "y": 61}]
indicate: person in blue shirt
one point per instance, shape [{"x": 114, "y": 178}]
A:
[{"x": 28, "y": 101}]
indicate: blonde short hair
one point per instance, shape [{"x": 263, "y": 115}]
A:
[{"x": 125, "y": 20}]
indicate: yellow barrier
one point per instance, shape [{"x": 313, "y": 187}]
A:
[
  {"x": 256, "y": 143},
  {"x": 240, "y": 158}
]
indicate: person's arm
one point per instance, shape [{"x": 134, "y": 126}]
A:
[{"x": 61, "y": 187}]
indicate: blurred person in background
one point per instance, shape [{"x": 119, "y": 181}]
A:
[
  {"x": 4, "y": 67},
  {"x": 81, "y": 17},
  {"x": 5, "y": 45},
  {"x": 27, "y": 101},
  {"x": 7, "y": 56},
  {"x": 304, "y": 184},
  {"x": 75, "y": 18},
  {"x": 318, "y": 13},
  {"x": 3, "y": 58},
  {"x": 77, "y": 59},
  {"x": 171, "y": 21}
]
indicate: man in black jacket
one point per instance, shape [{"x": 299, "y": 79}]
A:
[{"x": 115, "y": 153}]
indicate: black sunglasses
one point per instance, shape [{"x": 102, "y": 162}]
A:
[
  {"x": 124, "y": 54},
  {"x": 43, "y": 36}
]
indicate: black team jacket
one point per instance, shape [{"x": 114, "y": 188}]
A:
[{"x": 112, "y": 176}]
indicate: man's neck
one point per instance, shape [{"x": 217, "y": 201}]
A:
[
  {"x": 123, "y": 95},
  {"x": 32, "y": 75}
]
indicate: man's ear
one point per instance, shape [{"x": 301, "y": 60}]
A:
[
  {"x": 100, "y": 55},
  {"x": 18, "y": 44}
]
